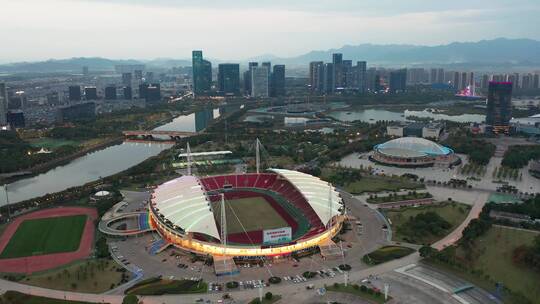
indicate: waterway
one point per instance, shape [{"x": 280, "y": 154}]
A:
[
  {"x": 374, "y": 115},
  {"x": 107, "y": 161}
]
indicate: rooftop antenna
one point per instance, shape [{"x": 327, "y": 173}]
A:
[
  {"x": 188, "y": 149},
  {"x": 257, "y": 156}
]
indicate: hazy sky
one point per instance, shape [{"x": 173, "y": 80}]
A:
[{"x": 238, "y": 29}]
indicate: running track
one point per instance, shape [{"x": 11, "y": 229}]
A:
[{"x": 48, "y": 261}]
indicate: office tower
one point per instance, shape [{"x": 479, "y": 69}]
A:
[
  {"x": 347, "y": 74},
  {"x": 471, "y": 79},
  {"x": 277, "y": 86},
  {"x": 74, "y": 93},
  {"x": 90, "y": 93},
  {"x": 3, "y": 104},
  {"x": 202, "y": 74},
  {"x": 526, "y": 81},
  {"x": 85, "y": 71},
  {"x": 229, "y": 78},
  {"x": 456, "y": 82},
  {"x": 110, "y": 92},
  {"x": 499, "y": 107},
  {"x": 337, "y": 61},
  {"x": 464, "y": 81},
  {"x": 247, "y": 77},
  {"x": 328, "y": 78},
  {"x": 128, "y": 93},
  {"x": 259, "y": 82},
  {"x": 536, "y": 81},
  {"x": 433, "y": 76},
  {"x": 398, "y": 81},
  {"x": 150, "y": 92},
  {"x": 316, "y": 69},
  {"x": 360, "y": 76},
  {"x": 138, "y": 74},
  {"x": 440, "y": 75},
  {"x": 268, "y": 66},
  {"x": 126, "y": 79},
  {"x": 485, "y": 81}
]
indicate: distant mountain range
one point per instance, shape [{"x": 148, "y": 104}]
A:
[{"x": 496, "y": 52}]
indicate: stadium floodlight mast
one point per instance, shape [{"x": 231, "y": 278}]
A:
[
  {"x": 223, "y": 228},
  {"x": 188, "y": 150},
  {"x": 257, "y": 154}
]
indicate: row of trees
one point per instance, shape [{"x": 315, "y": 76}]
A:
[
  {"x": 519, "y": 156},
  {"x": 478, "y": 150}
]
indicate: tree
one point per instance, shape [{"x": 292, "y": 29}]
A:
[
  {"x": 427, "y": 251},
  {"x": 268, "y": 295},
  {"x": 130, "y": 299}
]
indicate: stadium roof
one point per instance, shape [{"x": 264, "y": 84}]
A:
[
  {"x": 412, "y": 147},
  {"x": 319, "y": 194},
  {"x": 183, "y": 201}
]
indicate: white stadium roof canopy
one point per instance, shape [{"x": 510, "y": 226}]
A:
[{"x": 183, "y": 201}]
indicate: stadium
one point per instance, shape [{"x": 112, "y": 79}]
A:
[
  {"x": 252, "y": 215},
  {"x": 414, "y": 152}
]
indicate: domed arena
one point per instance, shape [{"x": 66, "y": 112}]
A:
[{"x": 414, "y": 152}]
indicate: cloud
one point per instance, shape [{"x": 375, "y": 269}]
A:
[{"x": 239, "y": 29}]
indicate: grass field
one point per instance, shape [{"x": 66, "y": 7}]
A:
[
  {"x": 454, "y": 213},
  {"x": 494, "y": 252},
  {"x": 377, "y": 184},
  {"x": 14, "y": 297},
  {"x": 94, "y": 276},
  {"x": 254, "y": 213},
  {"x": 45, "y": 236},
  {"x": 385, "y": 254},
  {"x": 52, "y": 143},
  {"x": 161, "y": 287}
]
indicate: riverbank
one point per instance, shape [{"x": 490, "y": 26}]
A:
[{"x": 8, "y": 178}]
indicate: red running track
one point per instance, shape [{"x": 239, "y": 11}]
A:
[{"x": 48, "y": 261}]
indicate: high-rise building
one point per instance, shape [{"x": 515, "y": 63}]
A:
[
  {"x": 433, "y": 75},
  {"x": 398, "y": 81},
  {"x": 464, "y": 81},
  {"x": 202, "y": 74},
  {"x": 229, "y": 78},
  {"x": 277, "y": 87},
  {"x": 499, "y": 107},
  {"x": 110, "y": 92},
  {"x": 456, "y": 81},
  {"x": 90, "y": 93},
  {"x": 328, "y": 78},
  {"x": 128, "y": 93},
  {"x": 74, "y": 93},
  {"x": 359, "y": 76},
  {"x": 485, "y": 81},
  {"x": 316, "y": 69},
  {"x": 3, "y": 104},
  {"x": 259, "y": 82},
  {"x": 440, "y": 75},
  {"x": 126, "y": 79},
  {"x": 337, "y": 61},
  {"x": 536, "y": 81},
  {"x": 85, "y": 71},
  {"x": 151, "y": 93},
  {"x": 138, "y": 74},
  {"x": 247, "y": 77}
]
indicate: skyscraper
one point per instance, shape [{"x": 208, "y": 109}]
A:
[
  {"x": 247, "y": 77},
  {"x": 3, "y": 104},
  {"x": 278, "y": 81},
  {"x": 110, "y": 92},
  {"x": 316, "y": 69},
  {"x": 126, "y": 79},
  {"x": 337, "y": 61},
  {"x": 499, "y": 107},
  {"x": 90, "y": 93},
  {"x": 259, "y": 82},
  {"x": 360, "y": 76},
  {"x": 74, "y": 93},
  {"x": 202, "y": 74},
  {"x": 128, "y": 93},
  {"x": 229, "y": 78},
  {"x": 328, "y": 78},
  {"x": 398, "y": 81}
]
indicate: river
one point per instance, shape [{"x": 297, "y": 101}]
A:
[
  {"x": 107, "y": 161},
  {"x": 374, "y": 115}
]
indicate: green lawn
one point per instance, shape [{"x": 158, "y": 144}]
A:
[
  {"x": 254, "y": 213},
  {"x": 396, "y": 198},
  {"x": 356, "y": 290},
  {"x": 161, "y": 287},
  {"x": 52, "y": 143},
  {"x": 454, "y": 213},
  {"x": 493, "y": 252},
  {"x": 378, "y": 184},
  {"x": 45, "y": 236},
  {"x": 92, "y": 276},
  {"x": 385, "y": 254},
  {"x": 14, "y": 297}
]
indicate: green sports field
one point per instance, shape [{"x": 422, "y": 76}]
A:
[
  {"x": 45, "y": 236},
  {"x": 254, "y": 213}
]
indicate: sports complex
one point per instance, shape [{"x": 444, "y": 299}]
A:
[{"x": 414, "y": 152}]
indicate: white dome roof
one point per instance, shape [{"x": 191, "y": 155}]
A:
[{"x": 412, "y": 147}]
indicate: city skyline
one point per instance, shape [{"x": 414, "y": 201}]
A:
[{"x": 173, "y": 28}]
